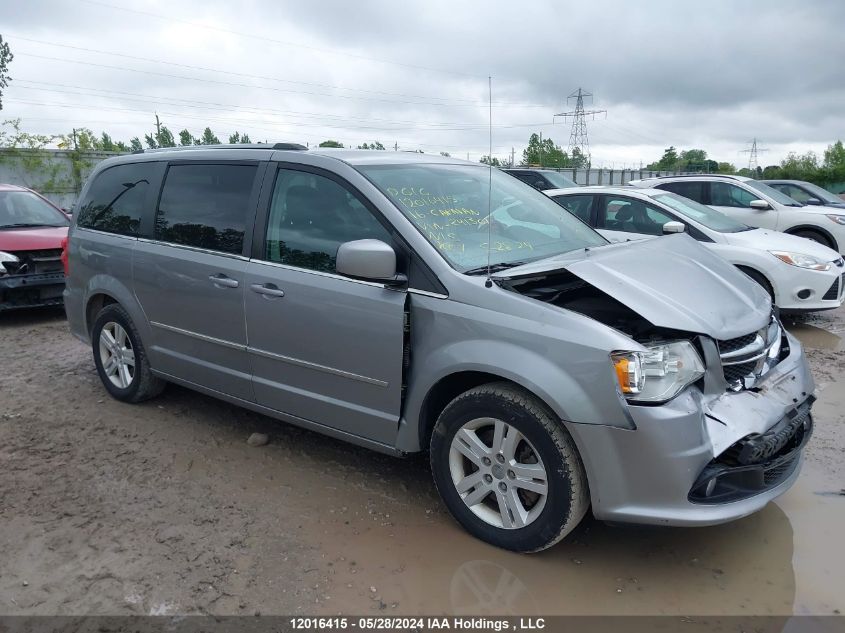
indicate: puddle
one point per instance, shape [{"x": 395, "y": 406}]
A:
[{"x": 813, "y": 337}]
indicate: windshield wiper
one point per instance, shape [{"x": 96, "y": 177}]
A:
[{"x": 494, "y": 268}]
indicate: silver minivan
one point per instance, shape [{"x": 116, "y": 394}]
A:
[{"x": 373, "y": 297}]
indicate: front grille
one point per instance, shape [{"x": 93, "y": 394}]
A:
[
  {"x": 833, "y": 292},
  {"x": 35, "y": 262},
  {"x": 736, "y": 343},
  {"x": 774, "y": 475},
  {"x": 736, "y": 372}
]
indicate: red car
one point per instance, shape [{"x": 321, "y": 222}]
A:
[{"x": 32, "y": 233}]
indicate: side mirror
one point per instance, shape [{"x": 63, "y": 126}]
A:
[
  {"x": 759, "y": 205},
  {"x": 813, "y": 202},
  {"x": 674, "y": 227},
  {"x": 370, "y": 260}
]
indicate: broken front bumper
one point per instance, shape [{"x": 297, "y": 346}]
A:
[
  {"x": 31, "y": 291},
  {"x": 660, "y": 472}
]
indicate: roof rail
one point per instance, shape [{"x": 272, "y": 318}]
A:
[
  {"x": 178, "y": 148},
  {"x": 731, "y": 176}
]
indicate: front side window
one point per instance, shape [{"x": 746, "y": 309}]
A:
[
  {"x": 774, "y": 194},
  {"x": 25, "y": 209},
  {"x": 723, "y": 194},
  {"x": 115, "y": 200},
  {"x": 580, "y": 206},
  {"x": 693, "y": 190},
  {"x": 705, "y": 215},
  {"x": 205, "y": 206},
  {"x": 311, "y": 216},
  {"x": 796, "y": 193},
  {"x": 448, "y": 204},
  {"x": 632, "y": 216}
]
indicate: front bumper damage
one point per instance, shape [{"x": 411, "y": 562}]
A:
[
  {"x": 703, "y": 459},
  {"x": 31, "y": 291}
]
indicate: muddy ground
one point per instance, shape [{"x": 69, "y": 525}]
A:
[{"x": 163, "y": 508}]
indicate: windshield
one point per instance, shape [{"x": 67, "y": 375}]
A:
[
  {"x": 24, "y": 208},
  {"x": 771, "y": 192},
  {"x": 559, "y": 180},
  {"x": 702, "y": 214},
  {"x": 448, "y": 205},
  {"x": 824, "y": 194}
]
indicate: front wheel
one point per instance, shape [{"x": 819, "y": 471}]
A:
[{"x": 507, "y": 470}]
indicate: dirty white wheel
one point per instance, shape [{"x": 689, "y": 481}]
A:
[
  {"x": 117, "y": 355},
  {"x": 507, "y": 469},
  {"x": 498, "y": 473}
]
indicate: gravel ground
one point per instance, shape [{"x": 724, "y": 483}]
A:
[{"x": 165, "y": 508}]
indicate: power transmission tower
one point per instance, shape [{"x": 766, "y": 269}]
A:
[
  {"x": 578, "y": 137},
  {"x": 752, "y": 154}
]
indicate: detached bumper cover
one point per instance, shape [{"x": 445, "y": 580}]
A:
[
  {"x": 650, "y": 474},
  {"x": 31, "y": 291}
]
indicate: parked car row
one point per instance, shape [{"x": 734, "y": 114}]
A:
[
  {"x": 409, "y": 302},
  {"x": 32, "y": 230}
]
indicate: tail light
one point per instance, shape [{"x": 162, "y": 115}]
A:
[{"x": 64, "y": 258}]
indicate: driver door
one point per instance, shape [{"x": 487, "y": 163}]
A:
[
  {"x": 735, "y": 202},
  {"x": 323, "y": 347}
]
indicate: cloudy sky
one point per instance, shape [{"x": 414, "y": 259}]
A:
[{"x": 415, "y": 73}]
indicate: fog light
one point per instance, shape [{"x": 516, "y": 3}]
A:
[
  {"x": 805, "y": 293},
  {"x": 711, "y": 485}
]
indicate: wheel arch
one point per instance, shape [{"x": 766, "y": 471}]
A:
[
  {"x": 792, "y": 230},
  {"x": 102, "y": 290},
  {"x": 750, "y": 268}
]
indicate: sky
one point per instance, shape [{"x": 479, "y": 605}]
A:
[{"x": 415, "y": 74}]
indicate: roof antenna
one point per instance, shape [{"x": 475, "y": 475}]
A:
[{"x": 489, "y": 282}]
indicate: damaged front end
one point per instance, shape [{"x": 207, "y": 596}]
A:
[
  {"x": 30, "y": 279},
  {"x": 728, "y": 438}
]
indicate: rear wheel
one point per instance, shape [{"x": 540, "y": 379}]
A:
[
  {"x": 120, "y": 357},
  {"x": 507, "y": 470}
]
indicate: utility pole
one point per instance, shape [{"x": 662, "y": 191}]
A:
[
  {"x": 396, "y": 146},
  {"x": 158, "y": 127},
  {"x": 752, "y": 155},
  {"x": 578, "y": 137},
  {"x": 512, "y": 156},
  {"x": 541, "y": 149}
]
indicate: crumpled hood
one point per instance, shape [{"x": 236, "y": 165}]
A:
[
  {"x": 34, "y": 239},
  {"x": 673, "y": 282}
]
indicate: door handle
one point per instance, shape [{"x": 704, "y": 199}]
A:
[
  {"x": 222, "y": 281},
  {"x": 268, "y": 290}
]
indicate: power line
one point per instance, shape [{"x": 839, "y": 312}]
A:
[
  {"x": 578, "y": 137},
  {"x": 254, "y": 36}
]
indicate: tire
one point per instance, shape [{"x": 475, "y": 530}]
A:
[
  {"x": 541, "y": 446},
  {"x": 761, "y": 280},
  {"x": 815, "y": 236},
  {"x": 130, "y": 379}
]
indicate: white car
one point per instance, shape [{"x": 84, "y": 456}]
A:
[
  {"x": 799, "y": 275},
  {"x": 757, "y": 204}
]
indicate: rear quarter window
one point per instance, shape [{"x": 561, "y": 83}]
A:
[{"x": 115, "y": 201}]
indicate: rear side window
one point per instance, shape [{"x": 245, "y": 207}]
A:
[
  {"x": 691, "y": 190},
  {"x": 311, "y": 216},
  {"x": 115, "y": 200},
  {"x": 205, "y": 206}
]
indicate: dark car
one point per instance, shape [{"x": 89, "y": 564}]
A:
[
  {"x": 32, "y": 230},
  {"x": 542, "y": 179},
  {"x": 807, "y": 193}
]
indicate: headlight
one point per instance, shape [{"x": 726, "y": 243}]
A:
[
  {"x": 659, "y": 373},
  {"x": 801, "y": 260},
  {"x": 839, "y": 219},
  {"x": 6, "y": 257}
]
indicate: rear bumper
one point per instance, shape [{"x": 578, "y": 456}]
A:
[
  {"x": 31, "y": 291},
  {"x": 653, "y": 473}
]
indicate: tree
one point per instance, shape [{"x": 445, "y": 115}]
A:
[
  {"x": 164, "y": 137},
  {"x": 487, "y": 160},
  {"x": 186, "y": 138},
  {"x": 331, "y": 143},
  {"x": 106, "y": 143},
  {"x": 208, "y": 138},
  {"x": 135, "y": 145},
  {"x": 446, "y": 154},
  {"x": 544, "y": 153},
  {"x": 376, "y": 145},
  {"x": 834, "y": 156},
  {"x": 150, "y": 140},
  {"x": 234, "y": 138},
  {"x": 5, "y": 59},
  {"x": 725, "y": 168},
  {"x": 578, "y": 160},
  {"x": 668, "y": 161},
  {"x": 245, "y": 138}
]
